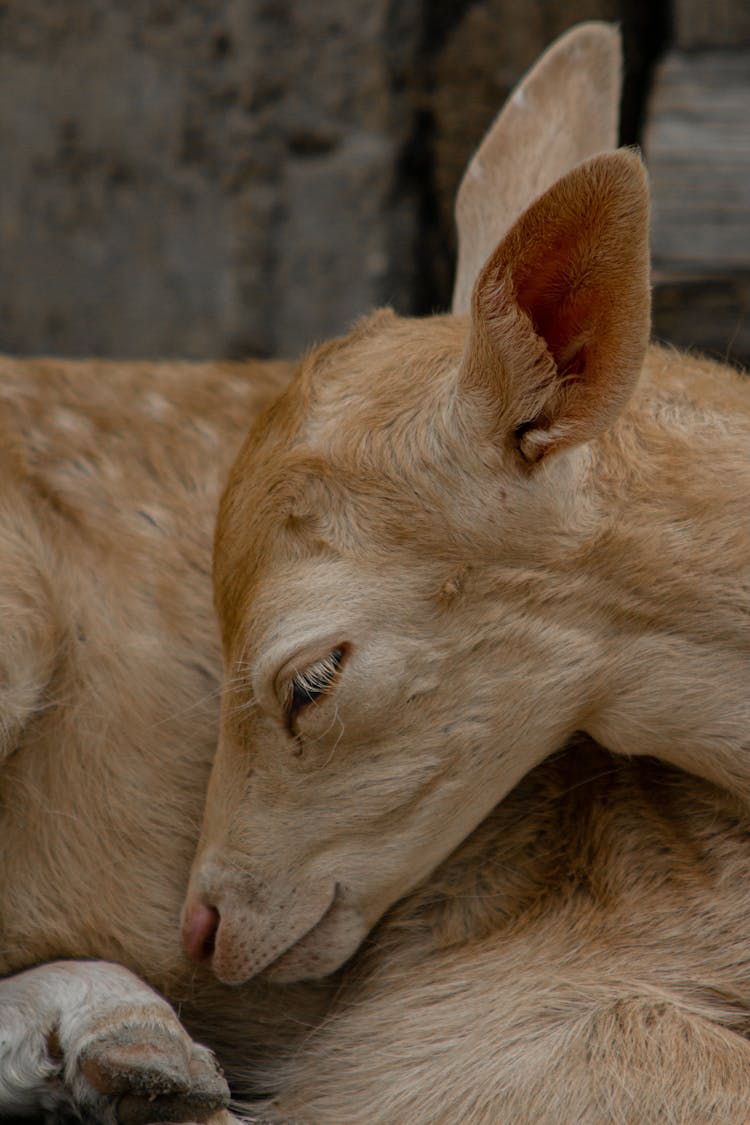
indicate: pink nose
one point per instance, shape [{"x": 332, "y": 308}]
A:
[{"x": 199, "y": 927}]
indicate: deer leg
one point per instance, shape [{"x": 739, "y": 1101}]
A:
[{"x": 90, "y": 1040}]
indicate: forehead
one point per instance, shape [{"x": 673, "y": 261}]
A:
[
  {"x": 364, "y": 413},
  {"x": 333, "y": 469},
  {"x": 387, "y": 381}
]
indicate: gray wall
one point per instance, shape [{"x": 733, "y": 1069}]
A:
[{"x": 234, "y": 177}]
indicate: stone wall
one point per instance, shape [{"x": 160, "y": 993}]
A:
[{"x": 231, "y": 177}]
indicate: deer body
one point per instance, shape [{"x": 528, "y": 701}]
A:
[
  {"x": 109, "y": 685},
  {"x": 670, "y": 570},
  {"x": 110, "y": 477},
  {"x": 556, "y": 968}
]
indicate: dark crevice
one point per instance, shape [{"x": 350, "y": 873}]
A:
[
  {"x": 432, "y": 253},
  {"x": 646, "y": 31}
]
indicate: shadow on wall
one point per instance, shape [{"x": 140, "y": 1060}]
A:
[{"x": 224, "y": 178}]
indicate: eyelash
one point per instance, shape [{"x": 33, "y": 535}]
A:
[{"x": 308, "y": 686}]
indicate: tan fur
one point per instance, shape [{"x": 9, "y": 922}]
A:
[
  {"x": 582, "y": 958},
  {"x": 110, "y": 665},
  {"x": 498, "y": 577}
]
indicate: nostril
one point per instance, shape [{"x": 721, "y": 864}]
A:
[{"x": 199, "y": 931}]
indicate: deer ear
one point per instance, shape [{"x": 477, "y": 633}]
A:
[
  {"x": 560, "y": 312},
  {"x": 563, "y": 111}
]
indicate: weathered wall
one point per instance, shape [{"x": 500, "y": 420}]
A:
[{"x": 224, "y": 177}]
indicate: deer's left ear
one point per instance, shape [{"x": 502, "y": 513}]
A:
[{"x": 561, "y": 311}]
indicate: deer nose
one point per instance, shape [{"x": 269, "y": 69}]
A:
[{"x": 199, "y": 926}]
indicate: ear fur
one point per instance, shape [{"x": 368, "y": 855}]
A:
[
  {"x": 561, "y": 311},
  {"x": 564, "y": 111}
]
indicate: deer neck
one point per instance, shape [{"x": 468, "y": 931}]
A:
[{"x": 670, "y": 573}]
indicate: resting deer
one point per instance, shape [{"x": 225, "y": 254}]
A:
[
  {"x": 515, "y": 982},
  {"x": 447, "y": 547}
]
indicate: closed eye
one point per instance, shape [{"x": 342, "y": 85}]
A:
[{"x": 313, "y": 682}]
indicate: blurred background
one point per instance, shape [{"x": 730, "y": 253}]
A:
[{"x": 207, "y": 178}]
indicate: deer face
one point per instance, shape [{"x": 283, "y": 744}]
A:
[{"x": 395, "y": 564}]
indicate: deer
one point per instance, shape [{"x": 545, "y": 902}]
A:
[
  {"x": 397, "y": 865},
  {"x": 449, "y": 547}
]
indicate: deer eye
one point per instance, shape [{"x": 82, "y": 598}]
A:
[{"x": 309, "y": 685}]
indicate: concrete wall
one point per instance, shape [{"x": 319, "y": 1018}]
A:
[{"x": 232, "y": 177}]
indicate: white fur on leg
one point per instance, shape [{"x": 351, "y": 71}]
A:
[{"x": 85, "y": 1035}]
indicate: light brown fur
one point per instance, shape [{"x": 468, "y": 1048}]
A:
[
  {"x": 582, "y": 958},
  {"x": 500, "y": 576},
  {"x": 110, "y": 663}
]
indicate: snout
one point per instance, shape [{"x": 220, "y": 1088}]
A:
[{"x": 302, "y": 932}]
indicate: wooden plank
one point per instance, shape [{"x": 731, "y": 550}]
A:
[
  {"x": 697, "y": 146},
  {"x": 707, "y": 313},
  {"x": 711, "y": 23}
]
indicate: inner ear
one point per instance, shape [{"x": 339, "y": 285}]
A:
[
  {"x": 560, "y": 312},
  {"x": 561, "y": 307}
]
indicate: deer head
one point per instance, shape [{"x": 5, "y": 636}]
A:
[{"x": 395, "y": 566}]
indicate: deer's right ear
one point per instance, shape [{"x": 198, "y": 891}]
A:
[
  {"x": 563, "y": 111},
  {"x": 561, "y": 311}
]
